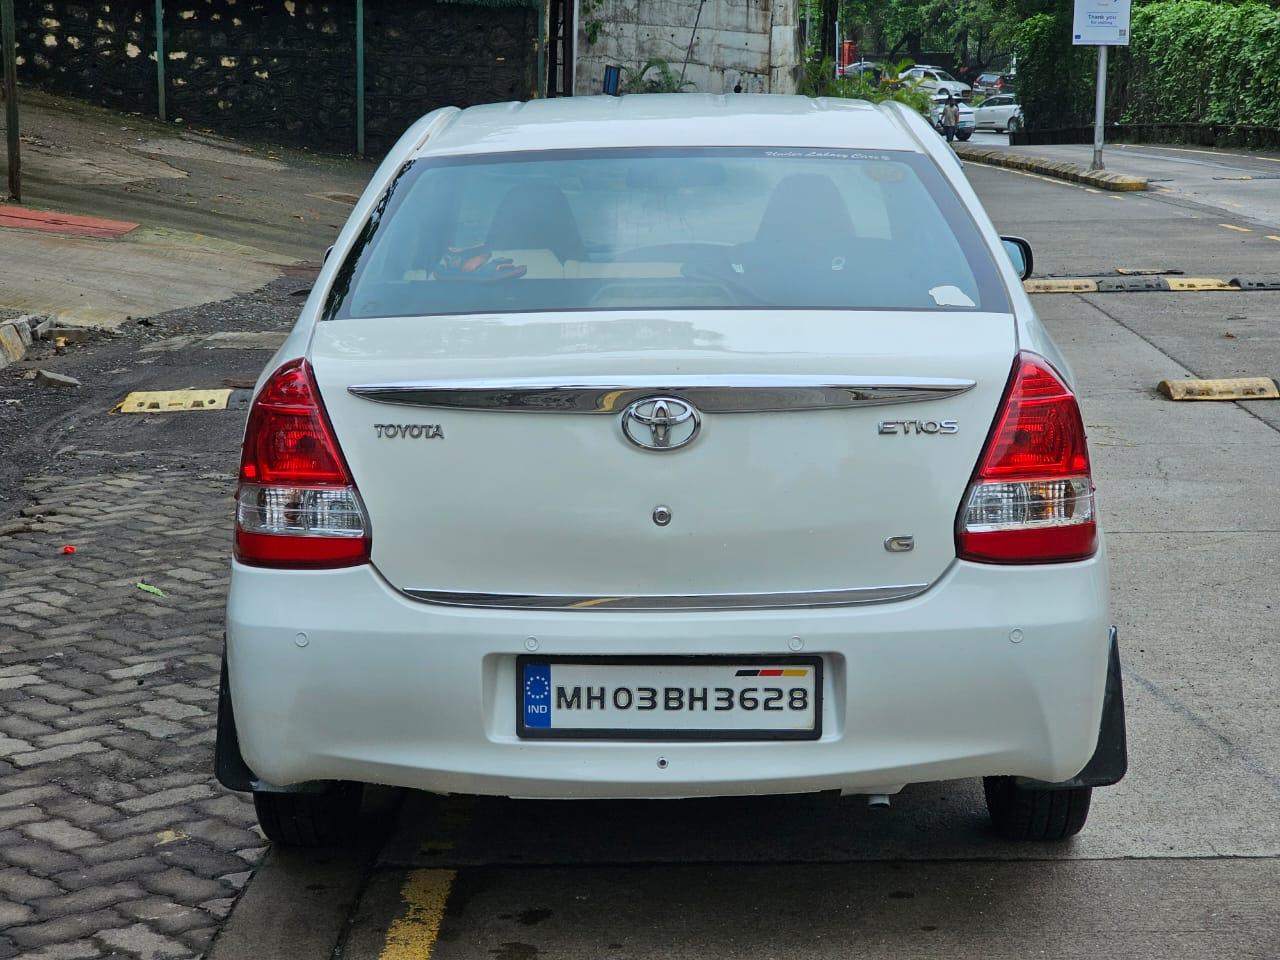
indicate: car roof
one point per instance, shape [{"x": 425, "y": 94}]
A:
[{"x": 680, "y": 119}]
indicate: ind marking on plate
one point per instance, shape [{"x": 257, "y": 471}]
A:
[{"x": 537, "y": 695}]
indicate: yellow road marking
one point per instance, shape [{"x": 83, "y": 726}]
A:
[
  {"x": 1272, "y": 236},
  {"x": 1212, "y": 153},
  {"x": 413, "y": 935},
  {"x": 1228, "y": 226},
  {"x": 172, "y": 401}
]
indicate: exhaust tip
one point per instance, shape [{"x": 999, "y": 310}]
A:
[{"x": 878, "y": 801}]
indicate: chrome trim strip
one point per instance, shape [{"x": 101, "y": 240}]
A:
[
  {"x": 768, "y": 393},
  {"x": 703, "y": 601}
]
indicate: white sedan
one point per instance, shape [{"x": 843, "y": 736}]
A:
[
  {"x": 994, "y": 113},
  {"x": 668, "y": 446}
]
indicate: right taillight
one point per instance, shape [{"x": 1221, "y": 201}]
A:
[
  {"x": 297, "y": 506},
  {"x": 1031, "y": 499}
]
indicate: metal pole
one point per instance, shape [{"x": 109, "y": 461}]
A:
[
  {"x": 1099, "y": 110},
  {"x": 160, "y": 56},
  {"x": 9, "y": 39},
  {"x": 360, "y": 77}
]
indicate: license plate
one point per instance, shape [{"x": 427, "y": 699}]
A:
[{"x": 685, "y": 698}]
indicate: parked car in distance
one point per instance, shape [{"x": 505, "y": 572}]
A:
[
  {"x": 561, "y": 489},
  {"x": 938, "y": 80},
  {"x": 861, "y": 68},
  {"x": 994, "y": 113},
  {"x": 993, "y": 83},
  {"x": 967, "y": 124}
]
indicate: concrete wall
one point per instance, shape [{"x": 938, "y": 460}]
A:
[{"x": 754, "y": 42}]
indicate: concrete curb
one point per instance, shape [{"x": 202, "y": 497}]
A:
[
  {"x": 15, "y": 336},
  {"x": 1150, "y": 284},
  {"x": 1058, "y": 169}
]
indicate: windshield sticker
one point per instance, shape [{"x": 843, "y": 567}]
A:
[
  {"x": 829, "y": 155},
  {"x": 951, "y": 297}
]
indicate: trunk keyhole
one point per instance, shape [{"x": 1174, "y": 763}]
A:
[{"x": 662, "y": 516}]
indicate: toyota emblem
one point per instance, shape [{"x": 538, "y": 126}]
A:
[{"x": 661, "y": 423}]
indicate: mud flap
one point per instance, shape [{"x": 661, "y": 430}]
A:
[
  {"x": 228, "y": 765},
  {"x": 1110, "y": 758}
]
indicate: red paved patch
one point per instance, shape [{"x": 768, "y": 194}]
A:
[{"x": 68, "y": 224}]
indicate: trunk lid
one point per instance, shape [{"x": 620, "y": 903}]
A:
[{"x": 516, "y": 505}]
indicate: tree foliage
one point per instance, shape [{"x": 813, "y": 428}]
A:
[
  {"x": 975, "y": 31},
  {"x": 819, "y": 80},
  {"x": 1191, "y": 61}
]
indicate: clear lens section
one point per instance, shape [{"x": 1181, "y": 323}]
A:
[
  {"x": 1029, "y": 504},
  {"x": 300, "y": 511}
]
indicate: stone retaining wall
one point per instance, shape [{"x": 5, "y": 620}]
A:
[{"x": 282, "y": 70}]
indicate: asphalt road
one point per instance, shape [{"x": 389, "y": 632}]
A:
[
  {"x": 1180, "y": 860},
  {"x": 1240, "y": 187}
]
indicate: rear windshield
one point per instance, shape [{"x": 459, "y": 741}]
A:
[{"x": 667, "y": 229}]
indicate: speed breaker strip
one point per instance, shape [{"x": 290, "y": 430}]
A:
[
  {"x": 1235, "y": 388},
  {"x": 183, "y": 401},
  {"x": 1150, "y": 284}
]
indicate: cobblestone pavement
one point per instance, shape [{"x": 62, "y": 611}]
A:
[{"x": 115, "y": 840}]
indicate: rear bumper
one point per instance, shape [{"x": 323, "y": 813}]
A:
[{"x": 334, "y": 675}]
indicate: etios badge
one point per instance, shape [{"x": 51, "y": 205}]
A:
[{"x": 661, "y": 423}]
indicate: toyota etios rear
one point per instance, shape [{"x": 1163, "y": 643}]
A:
[{"x": 668, "y": 447}]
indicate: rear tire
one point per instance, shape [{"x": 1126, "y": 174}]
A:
[
  {"x": 1026, "y": 813},
  {"x": 310, "y": 819},
  {"x": 962, "y": 137}
]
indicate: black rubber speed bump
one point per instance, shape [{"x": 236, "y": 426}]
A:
[{"x": 1131, "y": 284}]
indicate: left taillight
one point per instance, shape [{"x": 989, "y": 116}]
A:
[{"x": 297, "y": 506}]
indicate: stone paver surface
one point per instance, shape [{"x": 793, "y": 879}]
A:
[{"x": 115, "y": 840}]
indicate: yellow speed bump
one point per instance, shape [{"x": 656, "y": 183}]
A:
[
  {"x": 1061, "y": 285},
  {"x": 172, "y": 401},
  {"x": 1238, "y": 388},
  {"x": 1198, "y": 283}
]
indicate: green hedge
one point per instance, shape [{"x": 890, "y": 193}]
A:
[
  {"x": 1055, "y": 79},
  {"x": 1199, "y": 62},
  {"x": 1192, "y": 61}
]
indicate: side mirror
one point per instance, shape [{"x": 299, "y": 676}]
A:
[{"x": 1019, "y": 252}]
